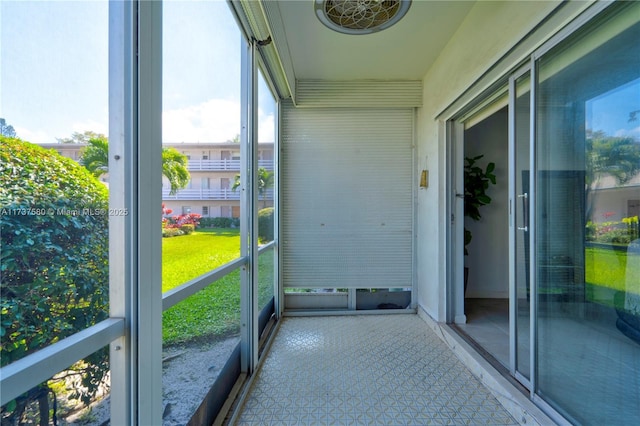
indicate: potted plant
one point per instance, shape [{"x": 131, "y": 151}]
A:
[{"x": 476, "y": 183}]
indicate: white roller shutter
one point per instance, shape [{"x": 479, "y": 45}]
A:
[{"x": 347, "y": 197}]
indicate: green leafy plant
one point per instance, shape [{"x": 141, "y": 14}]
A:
[
  {"x": 171, "y": 232},
  {"x": 54, "y": 277},
  {"x": 476, "y": 183},
  {"x": 219, "y": 222},
  {"x": 265, "y": 225},
  {"x": 95, "y": 158},
  {"x": 187, "y": 228},
  {"x": 265, "y": 181}
]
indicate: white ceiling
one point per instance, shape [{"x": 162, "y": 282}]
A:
[{"x": 404, "y": 51}]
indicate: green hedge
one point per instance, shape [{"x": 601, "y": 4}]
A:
[
  {"x": 219, "y": 222},
  {"x": 54, "y": 256},
  {"x": 187, "y": 229},
  {"x": 171, "y": 232},
  {"x": 265, "y": 224}
]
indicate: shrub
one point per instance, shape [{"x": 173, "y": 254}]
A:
[
  {"x": 187, "y": 229},
  {"x": 183, "y": 219},
  {"x": 54, "y": 277},
  {"x": 265, "y": 224},
  {"x": 171, "y": 232},
  {"x": 219, "y": 222}
]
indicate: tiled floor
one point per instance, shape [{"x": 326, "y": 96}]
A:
[
  {"x": 365, "y": 370},
  {"x": 488, "y": 324},
  {"x": 585, "y": 363}
]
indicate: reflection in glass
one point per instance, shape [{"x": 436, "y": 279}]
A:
[{"x": 588, "y": 269}]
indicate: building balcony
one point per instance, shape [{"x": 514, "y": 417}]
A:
[
  {"x": 209, "y": 194},
  {"x": 223, "y": 165}
]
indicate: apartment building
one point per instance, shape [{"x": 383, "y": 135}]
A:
[{"x": 213, "y": 168}]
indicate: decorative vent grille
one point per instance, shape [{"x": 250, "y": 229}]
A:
[{"x": 360, "y": 16}]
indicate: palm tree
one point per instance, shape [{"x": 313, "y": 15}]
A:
[
  {"x": 174, "y": 168},
  {"x": 95, "y": 158},
  {"x": 265, "y": 181}
]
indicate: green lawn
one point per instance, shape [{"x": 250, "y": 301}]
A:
[
  {"x": 213, "y": 312},
  {"x": 189, "y": 256},
  {"x": 608, "y": 271}
]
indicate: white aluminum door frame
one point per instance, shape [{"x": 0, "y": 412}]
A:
[{"x": 513, "y": 229}]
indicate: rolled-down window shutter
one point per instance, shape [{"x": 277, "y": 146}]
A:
[{"x": 347, "y": 197}]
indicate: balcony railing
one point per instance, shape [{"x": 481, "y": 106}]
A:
[
  {"x": 209, "y": 194},
  {"x": 222, "y": 165}
]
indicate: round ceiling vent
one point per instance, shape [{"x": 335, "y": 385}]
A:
[{"x": 360, "y": 16}]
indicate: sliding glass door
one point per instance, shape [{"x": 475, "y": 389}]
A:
[
  {"x": 588, "y": 182},
  {"x": 574, "y": 241}
]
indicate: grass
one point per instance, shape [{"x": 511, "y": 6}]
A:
[
  {"x": 213, "y": 312},
  {"x": 189, "y": 256},
  {"x": 609, "y": 271}
]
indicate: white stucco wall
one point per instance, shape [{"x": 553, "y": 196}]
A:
[{"x": 487, "y": 34}]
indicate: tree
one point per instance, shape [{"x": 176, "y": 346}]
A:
[
  {"x": 54, "y": 256},
  {"x": 265, "y": 181},
  {"x": 174, "y": 168},
  {"x": 609, "y": 155},
  {"x": 81, "y": 138},
  {"x": 95, "y": 158},
  {"x": 614, "y": 156},
  {"x": 6, "y": 129}
]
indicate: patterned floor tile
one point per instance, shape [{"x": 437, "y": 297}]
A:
[{"x": 365, "y": 370}]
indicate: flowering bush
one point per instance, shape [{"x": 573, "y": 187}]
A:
[
  {"x": 184, "y": 219},
  {"x": 183, "y": 224},
  {"x": 632, "y": 227},
  {"x": 622, "y": 232},
  {"x": 165, "y": 212}
]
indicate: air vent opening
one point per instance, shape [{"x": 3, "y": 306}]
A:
[{"x": 360, "y": 16}]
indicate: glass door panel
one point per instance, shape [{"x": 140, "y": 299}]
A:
[
  {"x": 587, "y": 265},
  {"x": 201, "y": 216},
  {"x": 266, "y": 206},
  {"x": 520, "y": 227}
]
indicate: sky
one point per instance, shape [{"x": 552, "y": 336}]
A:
[
  {"x": 54, "y": 71},
  {"x": 610, "y": 112},
  {"x": 54, "y": 74}
]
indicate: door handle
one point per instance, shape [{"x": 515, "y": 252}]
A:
[{"x": 525, "y": 212}]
